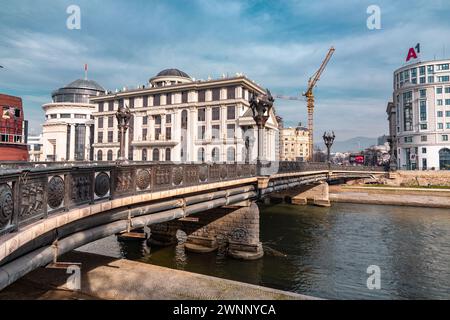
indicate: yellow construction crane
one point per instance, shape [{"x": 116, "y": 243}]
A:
[{"x": 310, "y": 99}]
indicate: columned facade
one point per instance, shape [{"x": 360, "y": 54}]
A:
[
  {"x": 178, "y": 119},
  {"x": 69, "y": 123}
]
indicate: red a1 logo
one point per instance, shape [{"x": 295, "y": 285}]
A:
[{"x": 412, "y": 53}]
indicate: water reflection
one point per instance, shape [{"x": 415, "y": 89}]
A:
[{"x": 325, "y": 252}]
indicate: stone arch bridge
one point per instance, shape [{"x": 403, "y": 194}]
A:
[{"x": 48, "y": 209}]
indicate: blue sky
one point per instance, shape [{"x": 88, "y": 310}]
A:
[{"x": 279, "y": 44}]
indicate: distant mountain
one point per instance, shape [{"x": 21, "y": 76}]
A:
[{"x": 353, "y": 144}]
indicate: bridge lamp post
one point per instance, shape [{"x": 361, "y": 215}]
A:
[
  {"x": 123, "y": 116},
  {"x": 261, "y": 105},
  {"x": 328, "y": 139}
]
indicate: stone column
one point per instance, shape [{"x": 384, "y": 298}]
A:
[{"x": 87, "y": 144}]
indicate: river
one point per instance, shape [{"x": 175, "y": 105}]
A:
[{"x": 325, "y": 252}]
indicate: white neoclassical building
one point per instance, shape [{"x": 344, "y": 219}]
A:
[
  {"x": 419, "y": 116},
  {"x": 68, "y": 129},
  {"x": 175, "y": 118}
]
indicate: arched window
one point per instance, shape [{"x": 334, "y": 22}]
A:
[
  {"x": 167, "y": 154},
  {"x": 118, "y": 154},
  {"x": 144, "y": 154},
  {"x": 444, "y": 159},
  {"x": 99, "y": 155},
  {"x": 231, "y": 154},
  {"x": 201, "y": 155},
  {"x": 110, "y": 155},
  {"x": 215, "y": 155},
  {"x": 156, "y": 154}
]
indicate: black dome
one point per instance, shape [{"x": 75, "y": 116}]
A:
[
  {"x": 77, "y": 91},
  {"x": 173, "y": 73}
]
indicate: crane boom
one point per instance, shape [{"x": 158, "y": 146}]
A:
[
  {"x": 279, "y": 96},
  {"x": 310, "y": 99}
]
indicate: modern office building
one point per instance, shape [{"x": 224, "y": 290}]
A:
[
  {"x": 294, "y": 143},
  {"x": 421, "y": 114},
  {"x": 176, "y": 118},
  {"x": 68, "y": 129}
]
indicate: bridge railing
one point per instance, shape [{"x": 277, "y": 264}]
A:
[
  {"x": 270, "y": 168},
  {"x": 32, "y": 193}
]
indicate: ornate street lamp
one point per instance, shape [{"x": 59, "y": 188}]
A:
[
  {"x": 328, "y": 139},
  {"x": 261, "y": 105},
  {"x": 123, "y": 116}
]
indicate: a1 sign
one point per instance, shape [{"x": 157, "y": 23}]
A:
[{"x": 413, "y": 52}]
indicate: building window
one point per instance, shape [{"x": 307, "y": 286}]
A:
[
  {"x": 144, "y": 134},
  {"x": 215, "y": 155},
  {"x": 430, "y": 79},
  {"x": 144, "y": 154},
  {"x": 131, "y": 102},
  {"x": 231, "y": 154},
  {"x": 201, "y": 96},
  {"x": 145, "y": 101},
  {"x": 231, "y": 93},
  {"x": 424, "y": 150},
  {"x": 430, "y": 68},
  {"x": 438, "y": 90},
  {"x": 168, "y": 154},
  {"x": 439, "y": 102},
  {"x": 157, "y": 133},
  {"x": 216, "y": 94},
  {"x": 65, "y": 115},
  {"x": 443, "y": 78},
  {"x": 423, "y": 126},
  {"x": 413, "y": 73},
  {"x": 157, "y": 100},
  {"x": 447, "y": 89},
  {"x": 100, "y": 106},
  {"x": 447, "y": 125},
  {"x": 444, "y": 137},
  {"x": 100, "y": 137},
  {"x": 447, "y": 113},
  {"x": 440, "y": 126},
  {"x": 120, "y": 103},
  {"x": 184, "y": 97},
  {"x": 423, "y": 138},
  {"x": 423, "y": 110},
  {"x": 168, "y": 133},
  {"x": 215, "y": 132},
  {"x": 79, "y": 116},
  {"x": 424, "y": 163},
  {"x": 201, "y": 155},
  {"x": 155, "y": 154},
  {"x": 422, "y": 79},
  {"x": 184, "y": 119},
  {"x": 110, "y": 136},
  {"x": 168, "y": 118},
  {"x": 100, "y": 122},
  {"x": 201, "y": 114},
  {"x": 99, "y": 155},
  {"x": 201, "y": 132},
  {"x": 423, "y": 93},
  {"x": 231, "y": 112},
  {"x": 422, "y": 70},
  {"x": 408, "y": 139},
  {"x": 109, "y": 155},
  {"x": 157, "y": 120},
  {"x": 169, "y": 98},
  {"x": 231, "y": 128},
  {"x": 53, "y": 116},
  {"x": 447, "y": 102},
  {"x": 144, "y": 120},
  {"x": 407, "y": 117},
  {"x": 110, "y": 121},
  {"x": 215, "y": 113},
  {"x": 111, "y": 106}
]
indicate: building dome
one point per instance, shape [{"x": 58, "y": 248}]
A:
[
  {"x": 170, "y": 77},
  {"x": 77, "y": 91},
  {"x": 172, "y": 73}
]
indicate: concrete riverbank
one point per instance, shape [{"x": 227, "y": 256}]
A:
[
  {"x": 110, "y": 278},
  {"x": 419, "y": 197}
]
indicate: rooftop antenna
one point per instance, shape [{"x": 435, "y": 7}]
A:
[{"x": 85, "y": 71}]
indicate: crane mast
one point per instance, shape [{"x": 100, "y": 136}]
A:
[{"x": 310, "y": 99}]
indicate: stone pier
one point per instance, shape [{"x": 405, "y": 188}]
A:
[{"x": 234, "y": 226}]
